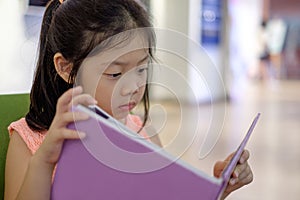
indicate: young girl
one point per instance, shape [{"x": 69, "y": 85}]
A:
[{"x": 70, "y": 32}]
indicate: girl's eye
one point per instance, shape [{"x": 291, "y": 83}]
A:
[
  {"x": 142, "y": 70},
  {"x": 115, "y": 75}
]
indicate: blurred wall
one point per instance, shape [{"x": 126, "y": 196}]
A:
[
  {"x": 284, "y": 8},
  {"x": 19, "y": 40},
  {"x": 244, "y": 22},
  {"x": 202, "y": 68}
]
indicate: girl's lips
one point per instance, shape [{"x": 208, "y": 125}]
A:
[{"x": 128, "y": 107}]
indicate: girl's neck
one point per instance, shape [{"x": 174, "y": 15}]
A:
[{"x": 123, "y": 121}]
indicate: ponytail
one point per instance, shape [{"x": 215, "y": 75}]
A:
[
  {"x": 47, "y": 19},
  {"x": 44, "y": 93}
]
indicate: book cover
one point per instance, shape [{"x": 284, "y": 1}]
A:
[{"x": 114, "y": 163}]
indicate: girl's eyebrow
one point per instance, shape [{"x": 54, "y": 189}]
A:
[
  {"x": 144, "y": 59},
  {"x": 121, "y": 63}
]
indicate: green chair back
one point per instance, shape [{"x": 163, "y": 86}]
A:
[{"x": 12, "y": 107}]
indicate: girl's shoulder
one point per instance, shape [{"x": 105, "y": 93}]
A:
[
  {"x": 134, "y": 123},
  {"x": 32, "y": 139},
  {"x": 134, "y": 119}
]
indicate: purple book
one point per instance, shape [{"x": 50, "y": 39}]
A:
[{"x": 114, "y": 163}]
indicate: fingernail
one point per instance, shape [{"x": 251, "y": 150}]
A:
[
  {"x": 232, "y": 181},
  {"x": 92, "y": 101},
  {"x": 81, "y": 135},
  {"x": 78, "y": 87},
  {"x": 242, "y": 160},
  {"x": 84, "y": 115},
  {"x": 236, "y": 174}
]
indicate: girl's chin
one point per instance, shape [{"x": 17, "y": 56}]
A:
[{"x": 121, "y": 116}]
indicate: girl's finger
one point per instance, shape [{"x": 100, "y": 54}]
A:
[
  {"x": 239, "y": 169},
  {"x": 219, "y": 167},
  {"x": 244, "y": 157},
  {"x": 248, "y": 179},
  {"x": 70, "y": 117},
  {"x": 243, "y": 177},
  {"x": 245, "y": 173},
  {"x": 72, "y": 134},
  {"x": 65, "y": 99},
  {"x": 83, "y": 99}
]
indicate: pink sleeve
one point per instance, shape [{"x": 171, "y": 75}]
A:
[{"x": 32, "y": 139}]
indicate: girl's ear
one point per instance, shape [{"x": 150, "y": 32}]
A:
[{"x": 62, "y": 66}]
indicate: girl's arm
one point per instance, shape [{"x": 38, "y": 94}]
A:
[
  {"x": 35, "y": 175},
  {"x": 17, "y": 162},
  {"x": 22, "y": 167}
]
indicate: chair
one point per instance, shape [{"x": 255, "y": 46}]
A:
[{"x": 12, "y": 107}]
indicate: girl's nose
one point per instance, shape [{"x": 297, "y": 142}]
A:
[
  {"x": 131, "y": 85},
  {"x": 130, "y": 88}
]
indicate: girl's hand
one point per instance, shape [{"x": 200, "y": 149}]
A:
[
  {"x": 51, "y": 147},
  {"x": 242, "y": 174}
]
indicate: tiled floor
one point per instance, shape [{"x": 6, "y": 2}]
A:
[{"x": 274, "y": 145}]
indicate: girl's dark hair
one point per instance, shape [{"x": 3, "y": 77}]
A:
[{"x": 74, "y": 28}]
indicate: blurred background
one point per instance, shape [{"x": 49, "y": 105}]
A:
[{"x": 255, "y": 48}]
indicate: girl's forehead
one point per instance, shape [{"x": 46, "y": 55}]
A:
[
  {"x": 126, "y": 47},
  {"x": 134, "y": 49}
]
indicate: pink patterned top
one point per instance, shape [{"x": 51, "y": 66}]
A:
[{"x": 33, "y": 139}]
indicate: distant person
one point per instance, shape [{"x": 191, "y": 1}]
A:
[{"x": 263, "y": 51}]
